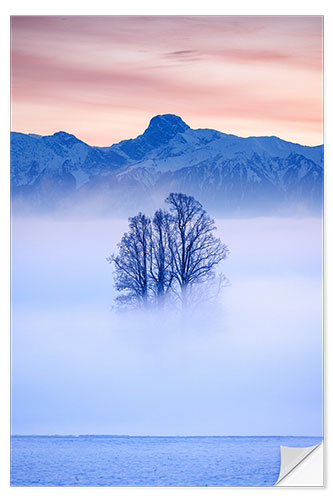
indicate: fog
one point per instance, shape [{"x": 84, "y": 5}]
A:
[{"x": 249, "y": 365}]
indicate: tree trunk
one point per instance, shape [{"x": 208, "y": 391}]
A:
[
  {"x": 184, "y": 296},
  {"x": 160, "y": 301}
]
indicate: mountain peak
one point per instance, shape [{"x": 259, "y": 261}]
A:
[
  {"x": 61, "y": 139},
  {"x": 168, "y": 121},
  {"x": 63, "y": 135},
  {"x": 162, "y": 128}
]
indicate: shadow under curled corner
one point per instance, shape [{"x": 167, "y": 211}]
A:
[{"x": 301, "y": 466}]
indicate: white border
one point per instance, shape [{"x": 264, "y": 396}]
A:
[{"x": 148, "y": 7}]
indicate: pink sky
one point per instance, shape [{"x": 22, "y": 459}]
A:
[{"x": 103, "y": 78}]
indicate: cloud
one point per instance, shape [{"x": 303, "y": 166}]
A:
[
  {"x": 184, "y": 55},
  {"x": 237, "y": 69}
]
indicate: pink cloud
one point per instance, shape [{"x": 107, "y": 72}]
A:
[{"x": 237, "y": 68}]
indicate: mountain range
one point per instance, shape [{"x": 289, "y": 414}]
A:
[{"x": 229, "y": 175}]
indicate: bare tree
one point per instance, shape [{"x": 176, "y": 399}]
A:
[
  {"x": 195, "y": 251},
  {"x": 132, "y": 264},
  {"x": 161, "y": 262},
  {"x": 168, "y": 256}
]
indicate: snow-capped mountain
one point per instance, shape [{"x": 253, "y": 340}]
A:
[{"x": 230, "y": 175}]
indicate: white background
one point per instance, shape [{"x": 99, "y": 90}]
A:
[{"x": 172, "y": 7}]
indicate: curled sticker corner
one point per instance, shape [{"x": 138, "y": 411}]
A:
[{"x": 291, "y": 458}]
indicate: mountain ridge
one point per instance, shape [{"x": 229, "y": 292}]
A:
[{"x": 253, "y": 174}]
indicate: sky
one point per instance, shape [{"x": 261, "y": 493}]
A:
[{"x": 103, "y": 78}]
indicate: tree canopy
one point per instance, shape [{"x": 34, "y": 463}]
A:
[{"x": 166, "y": 257}]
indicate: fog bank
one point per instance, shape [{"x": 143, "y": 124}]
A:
[{"x": 252, "y": 365}]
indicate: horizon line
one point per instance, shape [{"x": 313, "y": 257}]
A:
[{"x": 171, "y": 435}]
